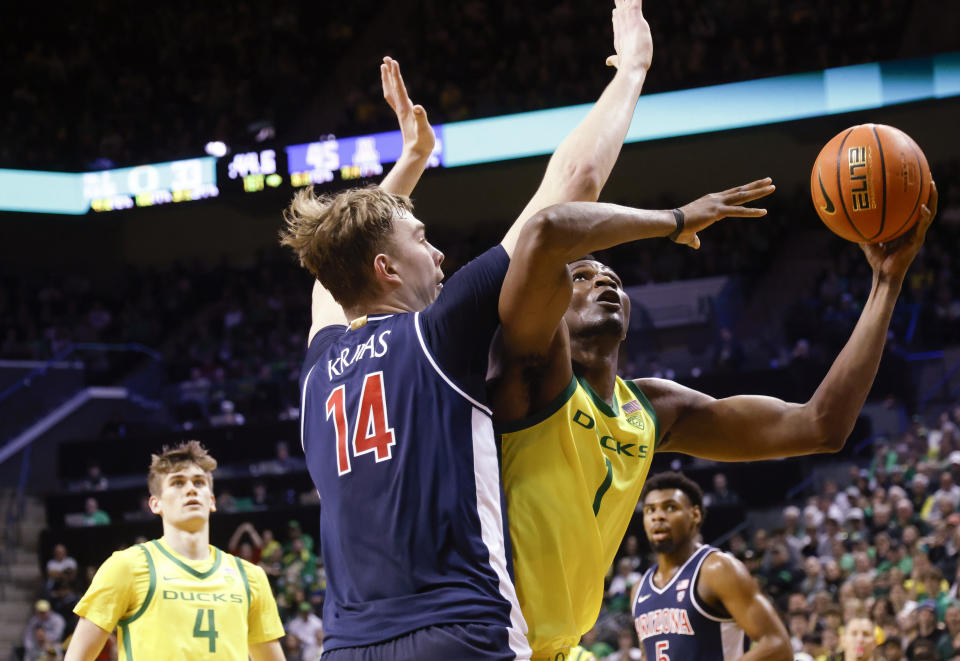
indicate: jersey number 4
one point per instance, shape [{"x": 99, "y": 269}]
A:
[{"x": 371, "y": 430}]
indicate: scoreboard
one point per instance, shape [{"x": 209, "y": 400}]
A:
[
  {"x": 328, "y": 160},
  {"x": 331, "y": 159}
]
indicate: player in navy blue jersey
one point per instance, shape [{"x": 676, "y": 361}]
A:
[
  {"x": 697, "y": 602},
  {"x": 395, "y": 423}
]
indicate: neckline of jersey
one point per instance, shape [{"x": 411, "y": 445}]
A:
[
  {"x": 653, "y": 571},
  {"x": 172, "y": 555},
  {"x": 608, "y": 410}
]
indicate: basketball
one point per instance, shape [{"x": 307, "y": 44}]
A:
[{"x": 869, "y": 182}]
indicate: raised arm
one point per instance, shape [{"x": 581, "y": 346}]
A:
[
  {"x": 751, "y": 427},
  {"x": 726, "y": 581},
  {"x": 538, "y": 286},
  {"x": 418, "y": 136},
  {"x": 418, "y": 142},
  {"x": 580, "y": 166}
]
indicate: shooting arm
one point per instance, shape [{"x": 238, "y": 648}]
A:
[{"x": 750, "y": 427}]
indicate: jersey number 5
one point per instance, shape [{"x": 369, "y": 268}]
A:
[
  {"x": 371, "y": 430},
  {"x": 661, "y": 647}
]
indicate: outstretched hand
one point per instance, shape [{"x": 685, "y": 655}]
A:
[
  {"x": 701, "y": 214},
  {"x": 632, "y": 40},
  {"x": 418, "y": 136},
  {"x": 892, "y": 259}
]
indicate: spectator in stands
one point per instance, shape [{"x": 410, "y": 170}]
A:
[
  {"x": 228, "y": 415},
  {"x": 721, "y": 495},
  {"x": 60, "y": 566},
  {"x": 261, "y": 499},
  {"x": 631, "y": 552},
  {"x": 780, "y": 576},
  {"x": 294, "y": 533},
  {"x": 948, "y": 489},
  {"x": 305, "y": 626},
  {"x": 292, "y": 649},
  {"x": 43, "y": 649},
  {"x": 251, "y": 548},
  {"x": 316, "y": 650},
  {"x": 63, "y": 597},
  {"x": 627, "y": 649},
  {"x": 46, "y": 619},
  {"x": 858, "y": 640},
  {"x": 892, "y": 649},
  {"x": 927, "y": 633},
  {"x": 282, "y": 462},
  {"x": 95, "y": 480},
  {"x": 622, "y": 582},
  {"x": 728, "y": 355},
  {"x": 948, "y": 646},
  {"x": 813, "y": 580},
  {"x": 93, "y": 515}
]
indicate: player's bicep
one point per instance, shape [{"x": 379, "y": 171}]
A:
[
  {"x": 86, "y": 642},
  {"x": 740, "y": 595},
  {"x": 324, "y": 311},
  {"x": 738, "y": 428},
  {"x": 533, "y": 299}
]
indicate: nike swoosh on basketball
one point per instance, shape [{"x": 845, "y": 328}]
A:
[{"x": 829, "y": 208}]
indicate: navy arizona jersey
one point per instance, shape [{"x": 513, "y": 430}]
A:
[
  {"x": 672, "y": 623},
  {"x": 400, "y": 445}
]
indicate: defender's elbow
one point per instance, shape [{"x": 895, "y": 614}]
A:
[{"x": 780, "y": 649}]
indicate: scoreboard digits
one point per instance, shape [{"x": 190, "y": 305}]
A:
[{"x": 149, "y": 185}]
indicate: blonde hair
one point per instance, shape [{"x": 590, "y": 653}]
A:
[
  {"x": 337, "y": 236},
  {"x": 171, "y": 460}
]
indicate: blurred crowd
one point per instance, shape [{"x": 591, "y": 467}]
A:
[
  {"x": 231, "y": 336},
  {"x": 265, "y": 71}
]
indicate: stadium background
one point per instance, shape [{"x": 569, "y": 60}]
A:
[{"x": 124, "y": 330}]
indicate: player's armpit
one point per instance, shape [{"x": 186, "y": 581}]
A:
[
  {"x": 269, "y": 651},
  {"x": 738, "y": 428},
  {"x": 86, "y": 642},
  {"x": 726, "y": 581}
]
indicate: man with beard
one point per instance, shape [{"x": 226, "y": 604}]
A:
[{"x": 697, "y": 602}]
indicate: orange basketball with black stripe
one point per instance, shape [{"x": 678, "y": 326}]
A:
[{"x": 869, "y": 182}]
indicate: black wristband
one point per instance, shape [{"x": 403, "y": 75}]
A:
[{"x": 678, "y": 215}]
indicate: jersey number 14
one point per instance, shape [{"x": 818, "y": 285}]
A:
[{"x": 371, "y": 430}]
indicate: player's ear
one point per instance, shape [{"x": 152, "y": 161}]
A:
[
  {"x": 154, "y": 504},
  {"x": 697, "y": 515},
  {"x": 385, "y": 272}
]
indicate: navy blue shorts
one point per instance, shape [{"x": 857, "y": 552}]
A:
[{"x": 459, "y": 642}]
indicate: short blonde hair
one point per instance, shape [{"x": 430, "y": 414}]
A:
[
  {"x": 171, "y": 460},
  {"x": 337, "y": 236}
]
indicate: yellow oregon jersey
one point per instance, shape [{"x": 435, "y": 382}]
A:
[
  {"x": 169, "y": 607},
  {"x": 572, "y": 477}
]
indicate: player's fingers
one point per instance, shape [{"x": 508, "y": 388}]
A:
[
  {"x": 743, "y": 212},
  {"x": 766, "y": 181},
  {"x": 749, "y": 195},
  {"x": 613, "y": 61},
  {"x": 695, "y": 243},
  {"x": 933, "y": 198}
]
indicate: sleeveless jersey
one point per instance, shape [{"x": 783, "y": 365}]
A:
[
  {"x": 672, "y": 624},
  {"x": 404, "y": 457},
  {"x": 572, "y": 477},
  {"x": 165, "y": 607}
]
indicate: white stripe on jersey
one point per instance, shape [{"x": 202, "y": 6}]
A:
[
  {"x": 433, "y": 363},
  {"x": 486, "y": 472},
  {"x": 303, "y": 404},
  {"x": 732, "y": 640}
]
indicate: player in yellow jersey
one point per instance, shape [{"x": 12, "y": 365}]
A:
[
  {"x": 178, "y": 597},
  {"x": 577, "y": 440}
]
